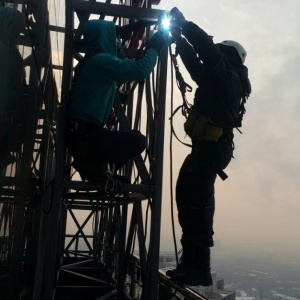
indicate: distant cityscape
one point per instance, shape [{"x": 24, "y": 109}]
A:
[
  {"x": 241, "y": 273},
  {"x": 248, "y": 274}
]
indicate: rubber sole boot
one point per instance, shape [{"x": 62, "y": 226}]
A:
[
  {"x": 192, "y": 277},
  {"x": 194, "y": 267},
  {"x": 186, "y": 261},
  {"x": 183, "y": 265},
  {"x": 121, "y": 178},
  {"x": 91, "y": 172},
  {"x": 96, "y": 172}
]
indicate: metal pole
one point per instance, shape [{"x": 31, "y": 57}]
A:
[
  {"x": 153, "y": 256},
  {"x": 51, "y": 264},
  {"x": 26, "y": 176}
]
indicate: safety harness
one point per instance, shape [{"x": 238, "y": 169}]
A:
[{"x": 198, "y": 126}]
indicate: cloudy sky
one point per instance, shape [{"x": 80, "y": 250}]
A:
[{"x": 259, "y": 204}]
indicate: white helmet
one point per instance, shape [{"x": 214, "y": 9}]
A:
[{"x": 238, "y": 47}]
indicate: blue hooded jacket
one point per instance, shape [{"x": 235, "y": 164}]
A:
[{"x": 94, "y": 90}]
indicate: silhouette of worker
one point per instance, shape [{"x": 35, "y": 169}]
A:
[
  {"x": 88, "y": 138},
  {"x": 223, "y": 84}
]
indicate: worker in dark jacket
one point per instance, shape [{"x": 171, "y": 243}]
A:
[
  {"x": 13, "y": 101},
  {"x": 222, "y": 79},
  {"x": 88, "y": 139}
]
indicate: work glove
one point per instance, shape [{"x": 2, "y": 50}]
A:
[
  {"x": 175, "y": 31},
  {"x": 177, "y": 17},
  {"x": 158, "y": 40}
]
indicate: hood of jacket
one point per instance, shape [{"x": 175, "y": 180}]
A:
[{"x": 100, "y": 37}]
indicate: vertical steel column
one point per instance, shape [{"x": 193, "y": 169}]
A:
[
  {"x": 52, "y": 263},
  {"x": 35, "y": 94},
  {"x": 153, "y": 255},
  {"x": 45, "y": 229}
]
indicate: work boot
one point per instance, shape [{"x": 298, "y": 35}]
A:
[
  {"x": 122, "y": 178},
  {"x": 88, "y": 171},
  {"x": 187, "y": 253},
  {"x": 194, "y": 268},
  {"x": 185, "y": 263},
  {"x": 96, "y": 172}
]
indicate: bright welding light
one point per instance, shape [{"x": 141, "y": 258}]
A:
[{"x": 166, "y": 22}]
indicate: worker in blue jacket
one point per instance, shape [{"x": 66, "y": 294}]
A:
[
  {"x": 88, "y": 138},
  {"x": 222, "y": 87}
]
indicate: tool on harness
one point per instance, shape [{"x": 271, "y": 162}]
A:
[
  {"x": 200, "y": 127},
  {"x": 209, "y": 131},
  {"x": 242, "y": 111},
  {"x": 183, "y": 87},
  {"x": 246, "y": 87},
  {"x": 110, "y": 183}
]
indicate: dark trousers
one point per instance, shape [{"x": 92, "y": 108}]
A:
[
  {"x": 195, "y": 194},
  {"x": 12, "y": 132},
  {"x": 99, "y": 145}
]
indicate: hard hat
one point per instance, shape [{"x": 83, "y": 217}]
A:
[{"x": 238, "y": 47}]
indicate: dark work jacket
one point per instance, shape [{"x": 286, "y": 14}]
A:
[{"x": 220, "y": 87}]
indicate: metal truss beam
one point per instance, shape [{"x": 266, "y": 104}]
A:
[{"x": 120, "y": 11}]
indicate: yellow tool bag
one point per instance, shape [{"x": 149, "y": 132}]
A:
[{"x": 200, "y": 127}]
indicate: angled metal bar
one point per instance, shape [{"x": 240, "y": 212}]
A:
[
  {"x": 139, "y": 105},
  {"x": 83, "y": 276},
  {"x": 80, "y": 229},
  {"x": 46, "y": 177},
  {"x": 116, "y": 10},
  {"x": 82, "y": 18},
  {"x": 44, "y": 232},
  {"x": 110, "y": 295},
  {"x": 80, "y": 263},
  {"x": 130, "y": 239},
  {"x": 142, "y": 242},
  {"x": 122, "y": 245}
]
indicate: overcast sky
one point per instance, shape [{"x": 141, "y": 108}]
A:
[{"x": 259, "y": 204}]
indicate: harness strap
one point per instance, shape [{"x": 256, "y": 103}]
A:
[{"x": 182, "y": 85}]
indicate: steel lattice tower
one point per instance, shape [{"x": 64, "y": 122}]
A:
[{"x": 111, "y": 248}]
